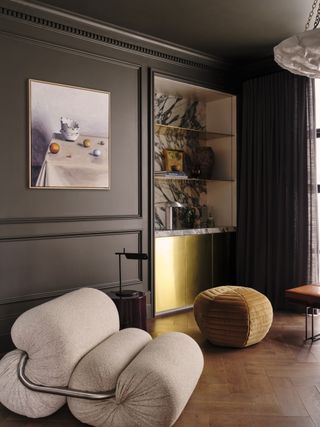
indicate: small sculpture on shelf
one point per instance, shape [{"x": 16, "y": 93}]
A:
[
  {"x": 204, "y": 216},
  {"x": 204, "y": 157},
  {"x": 211, "y": 223},
  {"x": 195, "y": 171},
  {"x": 189, "y": 218}
]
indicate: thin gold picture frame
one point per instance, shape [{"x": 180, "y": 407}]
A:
[{"x": 30, "y": 138}]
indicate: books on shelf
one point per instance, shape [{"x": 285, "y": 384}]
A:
[{"x": 171, "y": 174}]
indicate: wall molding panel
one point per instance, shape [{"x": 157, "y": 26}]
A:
[
  {"x": 40, "y": 296},
  {"x": 23, "y": 238},
  {"x": 109, "y": 206},
  {"x": 80, "y": 218},
  {"x": 12, "y": 220},
  {"x": 73, "y": 259}
]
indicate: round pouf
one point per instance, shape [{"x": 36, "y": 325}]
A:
[{"x": 233, "y": 316}]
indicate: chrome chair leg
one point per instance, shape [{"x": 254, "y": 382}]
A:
[{"x": 62, "y": 391}]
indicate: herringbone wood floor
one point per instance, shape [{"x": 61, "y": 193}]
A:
[{"x": 275, "y": 383}]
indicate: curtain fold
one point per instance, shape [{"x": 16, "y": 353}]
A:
[{"x": 277, "y": 239}]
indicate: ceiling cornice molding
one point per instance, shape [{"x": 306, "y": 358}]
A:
[{"x": 55, "y": 19}]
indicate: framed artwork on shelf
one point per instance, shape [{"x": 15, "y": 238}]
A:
[
  {"x": 69, "y": 137},
  {"x": 173, "y": 160}
]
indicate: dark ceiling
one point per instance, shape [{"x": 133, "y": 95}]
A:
[{"x": 238, "y": 30}]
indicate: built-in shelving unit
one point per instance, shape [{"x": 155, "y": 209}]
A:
[
  {"x": 213, "y": 125},
  {"x": 188, "y": 118}
]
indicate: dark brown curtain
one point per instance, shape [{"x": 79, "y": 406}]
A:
[{"x": 277, "y": 239}]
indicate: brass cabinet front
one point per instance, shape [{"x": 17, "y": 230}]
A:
[
  {"x": 170, "y": 273},
  {"x": 198, "y": 265},
  {"x": 183, "y": 268}
]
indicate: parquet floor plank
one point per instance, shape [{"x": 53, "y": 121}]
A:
[
  {"x": 288, "y": 398},
  {"x": 310, "y": 397},
  {"x": 260, "y": 421}
]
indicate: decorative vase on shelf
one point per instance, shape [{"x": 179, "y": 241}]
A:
[
  {"x": 204, "y": 157},
  {"x": 195, "y": 171}
]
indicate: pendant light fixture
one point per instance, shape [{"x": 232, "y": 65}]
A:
[{"x": 300, "y": 54}]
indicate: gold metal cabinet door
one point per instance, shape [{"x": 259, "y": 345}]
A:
[
  {"x": 198, "y": 265},
  {"x": 170, "y": 273}
]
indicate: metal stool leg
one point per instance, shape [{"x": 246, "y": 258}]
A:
[
  {"x": 306, "y": 323},
  {"x": 312, "y": 325},
  {"x": 313, "y": 337}
]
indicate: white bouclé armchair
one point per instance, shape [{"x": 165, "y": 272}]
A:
[{"x": 70, "y": 350}]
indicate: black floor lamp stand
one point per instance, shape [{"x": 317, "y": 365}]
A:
[{"x": 131, "y": 304}]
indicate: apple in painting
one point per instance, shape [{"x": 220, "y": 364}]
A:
[
  {"x": 86, "y": 142},
  {"x": 54, "y": 148}
]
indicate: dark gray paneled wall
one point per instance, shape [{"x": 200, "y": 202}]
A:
[
  {"x": 52, "y": 241},
  {"x": 62, "y": 67}
]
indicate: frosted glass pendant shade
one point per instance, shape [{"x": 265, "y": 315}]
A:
[{"x": 300, "y": 54}]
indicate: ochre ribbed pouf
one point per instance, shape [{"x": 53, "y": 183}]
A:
[{"x": 233, "y": 316}]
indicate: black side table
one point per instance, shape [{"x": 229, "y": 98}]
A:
[{"x": 131, "y": 308}]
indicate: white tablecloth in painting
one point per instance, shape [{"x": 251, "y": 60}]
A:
[{"x": 75, "y": 165}]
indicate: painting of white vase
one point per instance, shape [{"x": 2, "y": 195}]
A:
[
  {"x": 69, "y": 137},
  {"x": 69, "y": 129}
]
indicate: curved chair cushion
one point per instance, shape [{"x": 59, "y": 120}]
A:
[
  {"x": 233, "y": 316},
  {"x": 18, "y": 398},
  {"x": 151, "y": 391},
  {"x": 99, "y": 370},
  {"x": 55, "y": 335}
]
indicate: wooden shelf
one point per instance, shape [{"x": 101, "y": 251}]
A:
[{"x": 203, "y": 134}]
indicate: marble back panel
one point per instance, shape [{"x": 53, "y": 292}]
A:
[{"x": 178, "y": 112}]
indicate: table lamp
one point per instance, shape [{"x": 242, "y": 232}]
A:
[{"x": 128, "y": 255}]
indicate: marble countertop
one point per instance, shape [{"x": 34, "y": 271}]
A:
[{"x": 193, "y": 231}]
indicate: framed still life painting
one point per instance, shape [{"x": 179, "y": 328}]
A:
[{"x": 69, "y": 137}]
